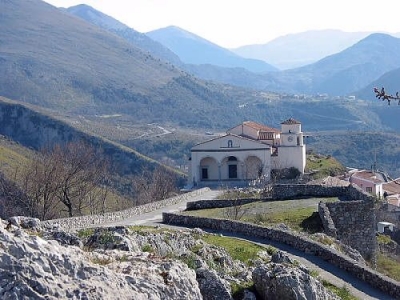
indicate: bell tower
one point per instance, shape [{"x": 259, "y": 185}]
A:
[{"x": 292, "y": 150}]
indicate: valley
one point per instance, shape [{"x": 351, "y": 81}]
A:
[{"x": 103, "y": 79}]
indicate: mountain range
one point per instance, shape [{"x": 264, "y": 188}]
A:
[
  {"x": 300, "y": 49},
  {"x": 100, "y": 76},
  {"x": 351, "y": 62}
]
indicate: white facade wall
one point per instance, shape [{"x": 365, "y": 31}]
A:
[{"x": 212, "y": 160}]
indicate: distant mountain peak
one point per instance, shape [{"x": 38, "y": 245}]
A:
[
  {"x": 178, "y": 32},
  {"x": 89, "y": 13}
]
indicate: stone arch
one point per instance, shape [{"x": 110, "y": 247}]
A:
[
  {"x": 208, "y": 169},
  {"x": 253, "y": 167}
]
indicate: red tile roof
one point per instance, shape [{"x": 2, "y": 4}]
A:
[
  {"x": 367, "y": 175},
  {"x": 392, "y": 187},
  {"x": 260, "y": 127}
]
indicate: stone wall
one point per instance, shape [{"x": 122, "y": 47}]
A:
[
  {"x": 71, "y": 224},
  {"x": 294, "y": 240},
  {"x": 355, "y": 225},
  {"x": 206, "y": 204},
  {"x": 293, "y": 191},
  {"x": 353, "y": 221}
]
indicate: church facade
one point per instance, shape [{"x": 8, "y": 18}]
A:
[{"x": 246, "y": 152}]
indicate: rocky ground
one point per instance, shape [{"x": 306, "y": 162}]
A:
[{"x": 127, "y": 263}]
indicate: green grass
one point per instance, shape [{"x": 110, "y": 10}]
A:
[
  {"x": 147, "y": 248},
  {"x": 383, "y": 239},
  {"x": 323, "y": 166},
  {"x": 237, "y": 249},
  {"x": 13, "y": 157},
  {"x": 292, "y": 218},
  {"x": 299, "y": 214},
  {"x": 84, "y": 233},
  {"x": 388, "y": 266},
  {"x": 342, "y": 292}
]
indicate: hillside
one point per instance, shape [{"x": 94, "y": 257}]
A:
[
  {"x": 360, "y": 149},
  {"x": 135, "y": 38},
  {"x": 55, "y": 60},
  {"x": 390, "y": 80},
  {"x": 34, "y": 129}
]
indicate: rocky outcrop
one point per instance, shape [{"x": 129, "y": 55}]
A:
[
  {"x": 283, "y": 279},
  {"x": 35, "y": 268},
  {"x": 41, "y": 262}
]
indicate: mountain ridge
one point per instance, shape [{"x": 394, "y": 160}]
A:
[{"x": 186, "y": 45}]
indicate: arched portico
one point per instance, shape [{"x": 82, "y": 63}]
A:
[{"x": 228, "y": 158}]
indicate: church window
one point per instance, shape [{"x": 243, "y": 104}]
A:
[{"x": 230, "y": 144}]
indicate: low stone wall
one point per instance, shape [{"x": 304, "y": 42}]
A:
[
  {"x": 293, "y": 191},
  {"x": 206, "y": 204},
  {"x": 294, "y": 240},
  {"x": 70, "y": 224}
]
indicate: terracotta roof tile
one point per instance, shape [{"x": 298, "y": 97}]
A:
[
  {"x": 392, "y": 187},
  {"x": 367, "y": 175},
  {"x": 261, "y": 127}
]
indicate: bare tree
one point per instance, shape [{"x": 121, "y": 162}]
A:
[
  {"x": 70, "y": 176},
  {"x": 12, "y": 199},
  {"x": 382, "y": 94},
  {"x": 235, "y": 212},
  {"x": 153, "y": 185},
  {"x": 80, "y": 170},
  {"x": 38, "y": 183}
]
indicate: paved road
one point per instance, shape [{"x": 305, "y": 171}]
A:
[
  {"x": 155, "y": 217},
  {"x": 326, "y": 271}
]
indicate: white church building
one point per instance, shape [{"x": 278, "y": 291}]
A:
[{"x": 247, "y": 152}]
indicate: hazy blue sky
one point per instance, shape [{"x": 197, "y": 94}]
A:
[{"x": 234, "y": 23}]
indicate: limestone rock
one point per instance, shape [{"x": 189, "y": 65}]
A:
[
  {"x": 25, "y": 222},
  {"x": 285, "y": 280},
  {"x": 212, "y": 286},
  {"x": 35, "y": 268}
]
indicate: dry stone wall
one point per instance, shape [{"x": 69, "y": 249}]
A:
[
  {"x": 71, "y": 224},
  {"x": 351, "y": 221},
  {"x": 205, "y": 204},
  {"x": 355, "y": 225},
  {"x": 293, "y": 191},
  {"x": 294, "y": 240}
]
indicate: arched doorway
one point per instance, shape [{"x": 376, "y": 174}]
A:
[
  {"x": 229, "y": 168},
  {"x": 254, "y": 168},
  {"x": 208, "y": 169}
]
